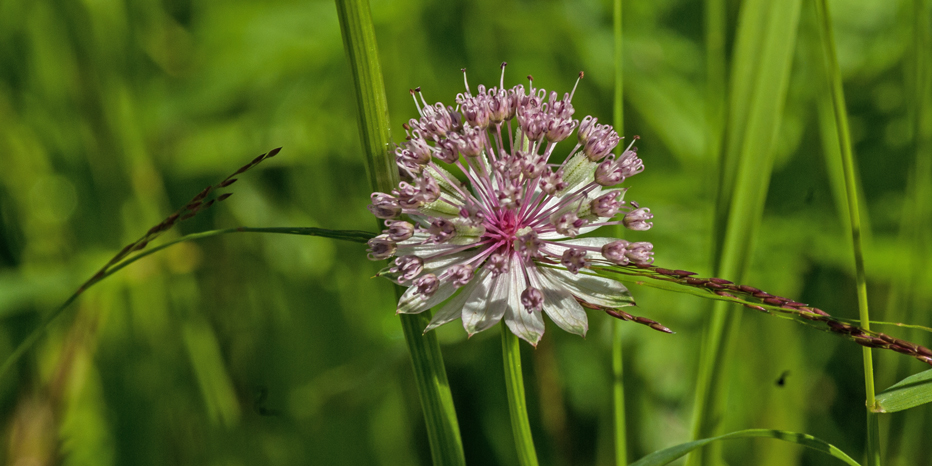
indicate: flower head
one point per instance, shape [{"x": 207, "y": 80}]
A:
[{"x": 499, "y": 240}]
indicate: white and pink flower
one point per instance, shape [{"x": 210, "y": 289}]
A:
[{"x": 500, "y": 241}]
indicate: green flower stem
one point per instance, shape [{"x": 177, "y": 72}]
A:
[
  {"x": 851, "y": 190},
  {"x": 517, "y": 404},
  {"x": 436, "y": 400},
  {"x": 618, "y": 385}
]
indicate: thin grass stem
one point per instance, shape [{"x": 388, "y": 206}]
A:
[
  {"x": 851, "y": 191},
  {"x": 618, "y": 385}
]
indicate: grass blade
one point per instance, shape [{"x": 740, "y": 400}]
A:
[
  {"x": 759, "y": 79},
  {"x": 433, "y": 388},
  {"x": 908, "y": 393},
  {"x": 668, "y": 455},
  {"x": 851, "y": 191},
  {"x": 619, "y": 420}
]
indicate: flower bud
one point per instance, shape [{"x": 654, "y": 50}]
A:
[
  {"x": 441, "y": 230},
  {"x": 532, "y": 299},
  {"x": 459, "y": 274},
  {"x": 384, "y": 206},
  {"x": 399, "y": 230},
  {"x": 606, "y": 205},
  {"x": 407, "y": 267},
  {"x": 427, "y": 284},
  {"x": 640, "y": 253},
  {"x": 574, "y": 259},
  {"x": 380, "y": 248},
  {"x": 637, "y": 219},
  {"x": 615, "y": 252}
]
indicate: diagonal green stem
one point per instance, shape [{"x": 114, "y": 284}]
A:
[
  {"x": 29, "y": 341},
  {"x": 433, "y": 388},
  {"x": 851, "y": 191},
  {"x": 517, "y": 404}
]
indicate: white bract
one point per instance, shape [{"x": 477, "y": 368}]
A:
[{"x": 502, "y": 244}]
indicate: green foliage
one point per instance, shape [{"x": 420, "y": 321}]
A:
[
  {"x": 113, "y": 114},
  {"x": 908, "y": 393}
]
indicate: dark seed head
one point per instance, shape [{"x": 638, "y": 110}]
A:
[
  {"x": 748, "y": 289},
  {"x": 657, "y": 326},
  {"x": 684, "y": 273},
  {"x": 720, "y": 281},
  {"x": 695, "y": 281}
]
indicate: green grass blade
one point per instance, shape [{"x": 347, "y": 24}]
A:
[
  {"x": 619, "y": 419},
  {"x": 908, "y": 393},
  {"x": 517, "y": 404},
  {"x": 433, "y": 388},
  {"x": 851, "y": 191},
  {"x": 668, "y": 455},
  {"x": 759, "y": 80}
]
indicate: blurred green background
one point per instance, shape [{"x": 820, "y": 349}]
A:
[{"x": 268, "y": 349}]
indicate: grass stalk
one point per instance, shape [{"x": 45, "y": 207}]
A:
[
  {"x": 517, "y": 404},
  {"x": 759, "y": 79},
  {"x": 431, "y": 377},
  {"x": 851, "y": 191},
  {"x": 618, "y": 386}
]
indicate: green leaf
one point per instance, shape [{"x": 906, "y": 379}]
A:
[
  {"x": 668, "y": 455},
  {"x": 908, "y": 393}
]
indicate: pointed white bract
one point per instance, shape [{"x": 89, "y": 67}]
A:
[{"x": 499, "y": 240}]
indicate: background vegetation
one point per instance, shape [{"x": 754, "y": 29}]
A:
[{"x": 267, "y": 349}]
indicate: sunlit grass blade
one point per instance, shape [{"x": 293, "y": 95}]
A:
[
  {"x": 851, "y": 191},
  {"x": 668, "y": 455},
  {"x": 759, "y": 78},
  {"x": 517, "y": 404},
  {"x": 433, "y": 388},
  {"x": 908, "y": 393}
]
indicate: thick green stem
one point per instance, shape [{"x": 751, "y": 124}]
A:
[
  {"x": 517, "y": 404},
  {"x": 851, "y": 191},
  {"x": 433, "y": 388}
]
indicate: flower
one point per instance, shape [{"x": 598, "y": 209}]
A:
[{"x": 502, "y": 244}]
